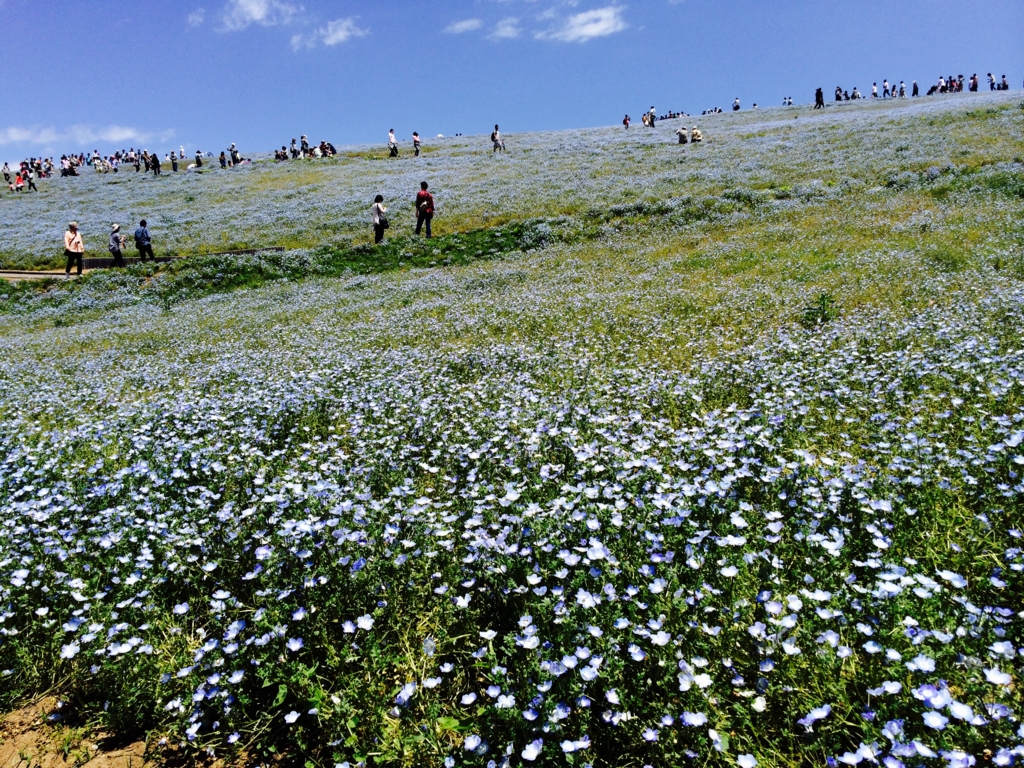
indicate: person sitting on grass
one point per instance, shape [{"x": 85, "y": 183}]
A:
[
  {"x": 696, "y": 137},
  {"x": 682, "y": 134}
]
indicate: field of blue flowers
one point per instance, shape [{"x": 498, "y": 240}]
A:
[{"x": 722, "y": 465}]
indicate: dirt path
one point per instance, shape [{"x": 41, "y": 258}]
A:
[
  {"x": 27, "y": 740},
  {"x": 15, "y": 276}
]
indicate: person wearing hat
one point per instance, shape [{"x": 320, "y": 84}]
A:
[
  {"x": 116, "y": 245},
  {"x": 305, "y": 146},
  {"x": 74, "y": 248},
  {"x": 681, "y": 133},
  {"x": 696, "y": 137}
]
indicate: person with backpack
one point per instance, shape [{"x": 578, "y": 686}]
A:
[
  {"x": 380, "y": 221},
  {"x": 625, "y": 122},
  {"x": 424, "y": 209},
  {"x": 74, "y": 248},
  {"x": 143, "y": 242},
  {"x": 499, "y": 145}
]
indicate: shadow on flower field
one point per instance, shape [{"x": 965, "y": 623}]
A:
[{"x": 655, "y": 456}]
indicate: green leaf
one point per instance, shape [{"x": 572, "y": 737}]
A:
[
  {"x": 282, "y": 694},
  {"x": 448, "y": 723}
]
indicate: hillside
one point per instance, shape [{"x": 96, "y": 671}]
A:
[{"x": 657, "y": 455}]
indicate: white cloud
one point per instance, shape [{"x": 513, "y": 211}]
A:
[
  {"x": 581, "y": 27},
  {"x": 197, "y": 17},
  {"x": 506, "y": 29},
  {"x": 458, "y": 27},
  {"x": 78, "y": 136},
  {"x": 239, "y": 14},
  {"x": 336, "y": 32}
]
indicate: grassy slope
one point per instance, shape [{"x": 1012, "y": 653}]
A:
[{"x": 659, "y": 260}]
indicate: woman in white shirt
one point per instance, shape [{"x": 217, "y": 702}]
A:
[{"x": 380, "y": 222}]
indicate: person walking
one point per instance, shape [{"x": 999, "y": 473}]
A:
[
  {"x": 392, "y": 144},
  {"x": 625, "y": 122},
  {"x": 424, "y": 209},
  {"x": 7, "y": 173},
  {"x": 819, "y": 99},
  {"x": 116, "y": 245},
  {"x": 74, "y": 248},
  {"x": 30, "y": 183},
  {"x": 154, "y": 162},
  {"x": 499, "y": 145},
  {"x": 416, "y": 143},
  {"x": 380, "y": 221},
  {"x": 143, "y": 241}
]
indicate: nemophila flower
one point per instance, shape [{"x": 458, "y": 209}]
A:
[
  {"x": 694, "y": 718},
  {"x": 997, "y": 677},
  {"x": 236, "y": 677},
  {"x": 299, "y": 614},
  {"x": 365, "y": 622},
  {"x": 650, "y": 734},
  {"x": 405, "y": 694},
  {"x": 291, "y": 717},
  {"x": 746, "y": 761},
  {"x": 70, "y": 650},
  {"x": 935, "y": 720},
  {"x": 180, "y": 609},
  {"x": 295, "y": 644},
  {"x": 532, "y": 750},
  {"x": 472, "y": 742},
  {"x": 921, "y": 663},
  {"x": 468, "y": 699},
  {"x": 818, "y": 713}
]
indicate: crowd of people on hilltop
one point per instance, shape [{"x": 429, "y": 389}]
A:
[
  {"x": 24, "y": 178},
  {"x": 305, "y": 151}
]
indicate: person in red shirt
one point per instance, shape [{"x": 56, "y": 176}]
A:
[{"x": 424, "y": 208}]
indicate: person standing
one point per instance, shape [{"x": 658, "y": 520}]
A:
[
  {"x": 625, "y": 122},
  {"x": 143, "y": 241},
  {"x": 499, "y": 145},
  {"x": 424, "y": 209},
  {"x": 380, "y": 221},
  {"x": 416, "y": 143},
  {"x": 294, "y": 150},
  {"x": 819, "y": 99},
  {"x": 74, "y": 248},
  {"x": 116, "y": 245},
  {"x": 914, "y": 90},
  {"x": 154, "y": 161},
  {"x": 392, "y": 144},
  {"x": 885, "y": 89},
  {"x": 903, "y": 90},
  {"x": 736, "y": 105},
  {"x": 199, "y": 158},
  {"x": 174, "y": 162},
  {"x": 7, "y": 173}
]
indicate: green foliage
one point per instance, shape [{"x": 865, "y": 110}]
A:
[{"x": 822, "y": 310}]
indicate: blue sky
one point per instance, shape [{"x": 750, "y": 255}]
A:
[{"x": 84, "y": 74}]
